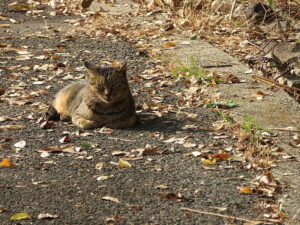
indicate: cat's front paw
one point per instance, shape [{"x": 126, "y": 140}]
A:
[{"x": 84, "y": 123}]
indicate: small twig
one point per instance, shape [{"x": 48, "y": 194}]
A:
[
  {"x": 270, "y": 221},
  {"x": 46, "y": 26},
  {"x": 232, "y": 9},
  {"x": 285, "y": 129},
  {"x": 216, "y": 66},
  {"x": 270, "y": 82},
  {"x": 256, "y": 46},
  {"x": 234, "y": 178}
]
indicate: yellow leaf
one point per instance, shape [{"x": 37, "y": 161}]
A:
[
  {"x": 7, "y": 163},
  {"x": 282, "y": 215},
  {"x": 115, "y": 63},
  {"x": 20, "y": 216},
  {"x": 4, "y": 25},
  {"x": 12, "y": 127},
  {"x": 124, "y": 163},
  {"x": 213, "y": 82},
  {"x": 161, "y": 186},
  {"x": 208, "y": 162},
  {"x": 246, "y": 190}
]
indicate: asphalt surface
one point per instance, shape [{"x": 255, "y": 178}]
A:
[{"x": 65, "y": 183}]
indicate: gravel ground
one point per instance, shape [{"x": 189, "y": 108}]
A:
[{"x": 65, "y": 183}]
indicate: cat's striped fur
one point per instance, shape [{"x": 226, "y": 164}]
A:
[{"x": 104, "y": 99}]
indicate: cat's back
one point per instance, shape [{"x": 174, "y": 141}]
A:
[{"x": 68, "y": 99}]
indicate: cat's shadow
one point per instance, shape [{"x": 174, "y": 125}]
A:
[{"x": 165, "y": 124}]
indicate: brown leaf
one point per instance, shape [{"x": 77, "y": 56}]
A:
[
  {"x": 221, "y": 156},
  {"x": 168, "y": 44},
  {"x": 232, "y": 79},
  {"x": 150, "y": 150},
  {"x": 65, "y": 139},
  {"x": 135, "y": 207},
  {"x": 86, "y": 3},
  {"x": 55, "y": 148},
  {"x": 115, "y": 218},
  {"x": 2, "y": 45},
  {"x": 172, "y": 197}
]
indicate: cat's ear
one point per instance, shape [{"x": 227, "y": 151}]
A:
[
  {"x": 92, "y": 68},
  {"x": 123, "y": 68}
]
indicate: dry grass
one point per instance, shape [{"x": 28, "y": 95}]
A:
[{"x": 223, "y": 23}]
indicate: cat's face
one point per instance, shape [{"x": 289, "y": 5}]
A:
[{"x": 109, "y": 84}]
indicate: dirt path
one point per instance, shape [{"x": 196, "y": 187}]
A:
[{"x": 79, "y": 181}]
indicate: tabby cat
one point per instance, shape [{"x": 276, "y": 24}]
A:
[{"x": 104, "y": 99}]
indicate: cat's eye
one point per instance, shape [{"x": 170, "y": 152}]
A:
[{"x": 101, "y": 89}]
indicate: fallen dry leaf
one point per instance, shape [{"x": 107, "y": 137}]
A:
[
  {"x": 12, "y": 127},
  {"x": 172, "y": 197},
  {"x": 65, "y": 139},
  {"x": 20, "y": 144},
  {"x": 124, "y": 163},
  {"x": 86, "y": 3},
  {"x": 2, "y": 45},
  {"x": 109, "y": 198},
  {"x": 161, "y": 186},
  {"x": 246, "y": 190},
  {"x": 208, "y": 162},
  {"x": 99, "y": 166},
  {"x": 115, "y": 218},
  {"x": 105, "y": 130},
  {"x": 20, "y": 216},
  {"x": 43, "y": 216},
  {"x": 47, "y": 124},
  {"x": 168, "y": 44},
  {"x": 55, "y": 148},
  {"x": 150, "y": 150},
  {"x": 221, "y": 156},
  {"x": 119, "y": 153},
  {"x": 4, "y": 25},
  {"x": 100, "y": 178},
  {"x": 7, "y": 163}
]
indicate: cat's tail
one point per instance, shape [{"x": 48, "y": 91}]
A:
[{"x": 51, "y": 114}]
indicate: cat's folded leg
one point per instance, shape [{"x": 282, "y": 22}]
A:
[
  {"x": 129, "y": 122},
  {"x": 83, "y": 123}
]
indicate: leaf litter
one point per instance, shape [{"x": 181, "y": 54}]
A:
[{"x": 155, "y": 107}]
